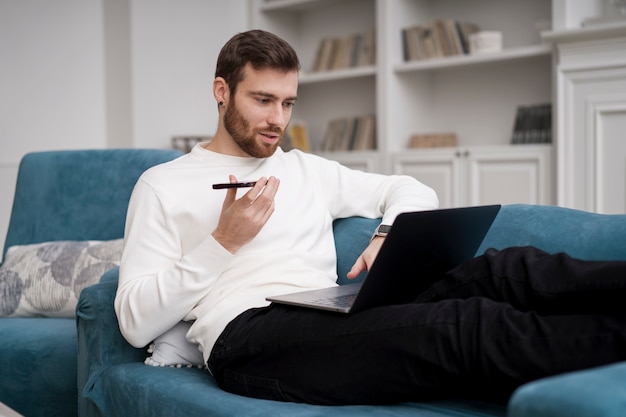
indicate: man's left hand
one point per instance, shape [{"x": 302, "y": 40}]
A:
[{"x": 366, "y": 259}]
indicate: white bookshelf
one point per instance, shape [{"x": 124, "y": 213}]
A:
[{"x": 475, "y": 96}]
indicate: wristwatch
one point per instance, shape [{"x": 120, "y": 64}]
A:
[{"x": 382, "y": 230}]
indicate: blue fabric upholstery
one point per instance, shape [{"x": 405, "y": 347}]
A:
[
  {"x": 598, "y": 392},
  {"x": 61, "y": 195},
  {"x": 38, "y": 366},
  {"x": 351, "y": 237},
  {"x": 554, "y": 229}
]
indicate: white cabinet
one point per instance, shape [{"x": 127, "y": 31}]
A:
[
  {"x": 482, "y": 175},
  {"x": 591, "y": 128}
]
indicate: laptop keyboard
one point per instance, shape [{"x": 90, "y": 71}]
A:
[{"x": 337, "y": 301}]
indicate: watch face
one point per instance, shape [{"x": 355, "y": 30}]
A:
[{"x": 383, "y": 229}]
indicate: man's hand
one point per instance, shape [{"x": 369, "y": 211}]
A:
[
  {"x": 366, "y": 259},
  {"x": 241, "y": 220}
]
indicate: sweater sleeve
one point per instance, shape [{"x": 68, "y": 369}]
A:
[
  {"x": 159, "y": 284},
  {"x": 357, "y": 193}
]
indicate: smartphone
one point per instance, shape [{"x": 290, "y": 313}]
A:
[{"x": 243, "y": 184}]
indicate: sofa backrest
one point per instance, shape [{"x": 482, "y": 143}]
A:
[
  {"x": 76, "y": 195},
  {"x": 580, "y": 234}
]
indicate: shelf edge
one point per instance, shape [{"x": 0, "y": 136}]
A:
[
  {"x": 334, "y": 75},
  {"x": 463, "y": 60}
]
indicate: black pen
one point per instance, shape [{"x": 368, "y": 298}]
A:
[{"x": 243, "y": 184}]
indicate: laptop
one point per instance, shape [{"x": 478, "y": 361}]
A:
[{"x": 420, "y": 244}]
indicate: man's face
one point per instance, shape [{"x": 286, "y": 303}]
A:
[{"x": 257, "y": 115}]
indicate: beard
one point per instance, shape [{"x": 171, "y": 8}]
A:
[{"x": 245, "y": 137}]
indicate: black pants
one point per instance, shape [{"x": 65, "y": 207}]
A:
[{"x": 481, "y": 330}]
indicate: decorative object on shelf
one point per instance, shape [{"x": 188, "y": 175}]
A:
[
  {"x": 185, "y": 143},
  {"x": 346, "y": 52},
  {"x": 296, "y": 137},
  {"x": 485, "y": 42},
  {"x": 533, "y": 124},
  {"x": 433, "y": 140},
  {"x": 437, "y": 39},
  {"x": 350, "y": 134}
]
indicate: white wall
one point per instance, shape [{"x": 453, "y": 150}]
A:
[
  {"x": 174, "y": 52},
  {"x": 51, "y": 78},
  {"x": 106, "y": 73}
]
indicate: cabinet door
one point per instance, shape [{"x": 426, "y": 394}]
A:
[
  {"x": 516, "y": 174},
  {"x": 437, "y": 169},
  {"x": 482, "y": 175}
]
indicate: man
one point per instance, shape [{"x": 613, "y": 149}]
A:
[{"x": 212, "y": 257}]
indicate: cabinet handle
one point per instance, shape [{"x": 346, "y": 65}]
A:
[{"x": 464, "y": 154}]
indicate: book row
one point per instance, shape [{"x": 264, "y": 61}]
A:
[
  {"x": 436, "y": 39},
  {"x": 355, "y": 50},
  {"x": 350, "y": 134},
  {"x": 533, "y": 124}
]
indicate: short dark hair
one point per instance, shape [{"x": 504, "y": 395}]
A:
[{"x": 259, "y": 48}]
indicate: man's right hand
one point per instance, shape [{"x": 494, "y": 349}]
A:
[{"x": 241, "y": 220}]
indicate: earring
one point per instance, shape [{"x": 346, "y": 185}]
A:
[{"x": 221, "y": 103}]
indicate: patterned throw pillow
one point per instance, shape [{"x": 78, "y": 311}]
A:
[{"x": 45, "y": 279}]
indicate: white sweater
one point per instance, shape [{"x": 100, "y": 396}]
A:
[{"x": 172, "y": 268}]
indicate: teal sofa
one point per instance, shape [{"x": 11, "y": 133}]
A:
[
  {"x": 114, "y": 382},
  {"x": 59, "y": 196}
]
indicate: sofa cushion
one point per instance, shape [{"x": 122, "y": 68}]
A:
[
  {"x": 134, "y": 389},
  {"x": 38, "y": 366},
  {"x": 45, "y": 279}
]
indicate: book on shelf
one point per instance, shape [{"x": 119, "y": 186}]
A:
[
  {"x": 533, "y": 124},
  {"x": 299, "y": 135},
  {"x": 350, "y": 134},
  {"x": 433, "y": 140},
  {"x": 436, "y": 39},
  {"x": 350, "y": 51},
  {"x": 296, "y": 136}
]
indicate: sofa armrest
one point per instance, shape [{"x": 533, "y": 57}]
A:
[
  {"x": 596, "y": 392},
  {"x": 100, "y": 343}
]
